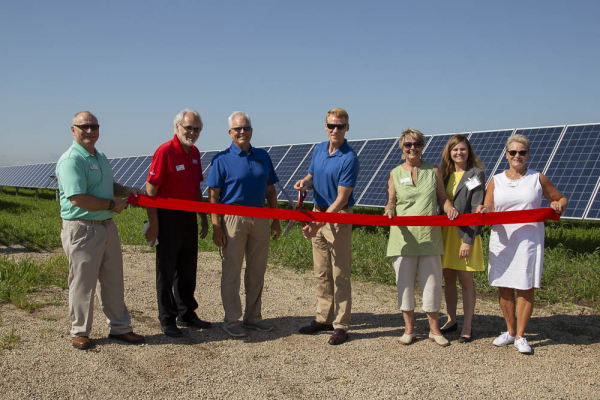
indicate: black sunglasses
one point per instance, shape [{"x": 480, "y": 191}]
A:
[
  {"x": 339, "y": 126},
  {"x": 408, "y": 145},
  {"x": 85, "y": 127},
  {"x": 522, "y": 153},
  {"x": 190, "y": 128},
  {"x": 242, "y": 129}
]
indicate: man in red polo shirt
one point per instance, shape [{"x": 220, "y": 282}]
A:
[{"x": 176, "y": 172}]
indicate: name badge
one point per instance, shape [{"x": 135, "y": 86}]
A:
[
  {"x": 93, "y": 166},
  {"x": 405, "y": 180},
  {"x": 195, "y": 161},
  {"x": 472, "y": 183},
  {"x": 180, "y": 167}
]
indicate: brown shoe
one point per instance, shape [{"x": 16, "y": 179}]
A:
[
  {"x": 82, "y": 342},
  {"x": 315, "y": 327},
  {"x": 129, "y": 337},
  {"x": 339, "y": 336}
]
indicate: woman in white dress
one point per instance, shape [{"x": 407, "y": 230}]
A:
[{"x": 516, "y": 255}]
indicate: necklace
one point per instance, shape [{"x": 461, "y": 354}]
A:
[{"x": 516, "y": 175}]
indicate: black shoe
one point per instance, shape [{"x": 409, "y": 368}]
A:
[
  {"x": 195, "y": 322},
  {"x": 339, "y": 336},
  {"x": 172, "y": 331},
  {"x": 465, "y": 338},
  {"x": 450, "y": 328},
  {"x": 315, "y": 327}
]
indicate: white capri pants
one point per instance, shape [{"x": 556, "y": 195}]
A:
[{"x": 430, "y": 280}]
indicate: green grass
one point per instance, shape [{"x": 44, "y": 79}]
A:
[
  {"x": 571, "y": 268},
  {"x": 10, "y": 340}
]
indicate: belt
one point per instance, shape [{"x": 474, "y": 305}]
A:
[{"x": 94, "y": 221}]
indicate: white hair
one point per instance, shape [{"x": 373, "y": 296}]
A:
[
  {"x": 179, "y": 118},
  {"x": 238, "y": 114}
]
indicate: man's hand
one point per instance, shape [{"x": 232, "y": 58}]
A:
[
  {"x": 310, "y": 230},
  {"x": 303, "y": 185},
  {"x": 133, "y": 191},
  {"x": 203, "y": 226},
  {"x": 120, "y": 205},
  {"x": 151, "y": 233},
  {"x": 275, "y": 229},
  {"x": 219, "y": 236}
]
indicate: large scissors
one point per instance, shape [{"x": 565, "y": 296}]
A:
[{"x": 301, "y": 197}]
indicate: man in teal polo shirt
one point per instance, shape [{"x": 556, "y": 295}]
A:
[{"x": 90, "y": 237}]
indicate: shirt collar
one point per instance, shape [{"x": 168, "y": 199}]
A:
[
  {"x": 238, "y": 151},
  {"x": 82, "y": 151},
  {"x": 177, "y": 145},
  {"x": 339, "y": 152}
]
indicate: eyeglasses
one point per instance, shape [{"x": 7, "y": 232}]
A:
[
  {"x": 522, "y": 153},
  {"x": 408, "y": 145},
  {"x": 85, "y": 127},
  {"x": 190, "y": 128},
  {"x": 339, "y": 126},
  {"x": 242, "y": 129}
]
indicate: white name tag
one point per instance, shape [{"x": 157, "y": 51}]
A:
[
  {"x": 405, "y": 180},
  {"x": 195, "y": 161},
  {"x": 93, "y": 166},
  {"x": 472, "y": 183},
  {"x": 180, "y": 167}
]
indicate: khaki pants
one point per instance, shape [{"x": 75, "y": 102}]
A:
[
  {"x": 429, "y": 269},
  {"x": 332, "y": 257},
  {"x": 95, "y": 265},
  {"x": 249, "y": 237}
]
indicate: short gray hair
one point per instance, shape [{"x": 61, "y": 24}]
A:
[
  {"x": 414, "y": 133},
  {"x": 238, "y": 114},
  {"x": 518, "y": 138},
  {"x": 179, "y": 118}
]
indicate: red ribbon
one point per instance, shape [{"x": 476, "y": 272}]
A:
[{"x": 493, "y": 218}]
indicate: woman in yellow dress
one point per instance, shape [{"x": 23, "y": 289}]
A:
[{"x": 464, "y": 179}]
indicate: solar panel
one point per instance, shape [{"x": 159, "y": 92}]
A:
[
  {"x": 298, "y": 174},
  {"x": 137, "y": 177},
  {"x": 277, "y": 153},
  {"x": 375, "y": 194},
  {"x": 42, "y": 177},
  {"x": 594, "y": 207},
  {"x": 370, "y": 158},
  {"x": 543, "y": 142},
  {"x": 291, "y": 162},
  {"x": 433, "y": 152},
  {"x": 489, "y": 146},
  {"x": 575, "y": 167}
]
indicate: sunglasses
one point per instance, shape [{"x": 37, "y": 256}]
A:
[
  {"x": 85, "y": 127},
  {"x": 408, "y": 145},
  {"x": 190, "y": 128},
  {"x": 339, "y": 126},
  {"x": 522, "y": 153},
  {"x": 242, "y": 129}
]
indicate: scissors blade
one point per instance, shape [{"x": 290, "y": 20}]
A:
[
  {"x": 286, "y": 195},
  {"x": 288, "y": 228}
]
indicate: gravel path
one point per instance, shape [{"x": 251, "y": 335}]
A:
[{"x": 284, "y": 364}]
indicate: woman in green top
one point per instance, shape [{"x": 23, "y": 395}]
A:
[{"x": 415, "y": 188}]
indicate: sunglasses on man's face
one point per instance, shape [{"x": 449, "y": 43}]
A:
[
  {"x": 522, "y": 153},
  {"x": 242, "y": 129},
  {"x": 85, "y": 127},
  {"x": 190, "y": 128},
  {"x": 408, "y": 145},
  {"x": 333, "y": 126}
]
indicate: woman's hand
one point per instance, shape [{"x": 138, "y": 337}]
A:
[
  {"x": 558, "y": 206},
  {"x": 389, "y": 213},
  {"x": 464, "y": 250},
  {"x": 452, "y": 214},
  {"x": 482, "y": 209}
]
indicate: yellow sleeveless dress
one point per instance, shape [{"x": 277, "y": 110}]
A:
[{"x": 452, "y": 240}]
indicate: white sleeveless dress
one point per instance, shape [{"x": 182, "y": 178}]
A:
[{"x": 517, "y": 250}]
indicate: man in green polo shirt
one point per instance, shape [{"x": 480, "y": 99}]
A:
[{"x": 90, "y": 237}]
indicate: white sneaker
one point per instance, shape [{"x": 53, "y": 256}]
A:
[
  {"x": 504, "y": 339},
  {"x": 522, "y": 346}
]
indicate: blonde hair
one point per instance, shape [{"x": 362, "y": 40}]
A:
[
  {"x": 518, "y": 138},
  {"x": 447, "y": 165},
  {"x": 337, "y": 112}
]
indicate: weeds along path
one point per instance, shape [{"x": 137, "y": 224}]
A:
[{"x": 37, "y": 359}]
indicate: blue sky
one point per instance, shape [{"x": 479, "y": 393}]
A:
[{"x": 438, "y": 66}]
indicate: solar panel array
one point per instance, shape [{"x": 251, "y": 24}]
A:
[{"x": 568, "y": 155}]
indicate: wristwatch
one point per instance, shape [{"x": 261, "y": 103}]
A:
[{"x": 111, "y": 205}]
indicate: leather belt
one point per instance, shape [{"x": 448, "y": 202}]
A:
[
  {"x": 324, "y": 208},
  {"x": 94, "y": 221}
]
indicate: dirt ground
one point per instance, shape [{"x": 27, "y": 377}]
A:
[{"x": 283, "y": 363}]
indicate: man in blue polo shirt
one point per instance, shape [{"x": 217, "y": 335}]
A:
[
  {"x": 332, "y": 175},
  {"x": 243, "y": 175},
  {"x": 90, "y": 237}
]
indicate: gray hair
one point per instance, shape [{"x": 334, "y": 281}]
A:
[
  {"x": 518, "y": 138},
  {"x": 238, "y": 114},
  {"x": 414, "y": 133},
  {"x": 179, "y": 118}
]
